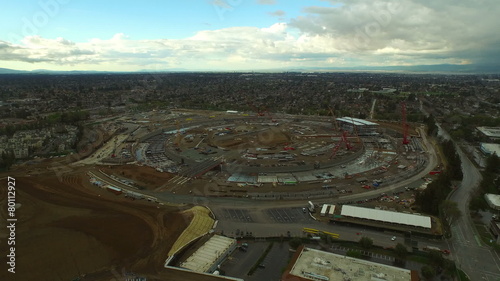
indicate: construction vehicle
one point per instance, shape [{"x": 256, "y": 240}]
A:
[{"x": 310, "y": 206}]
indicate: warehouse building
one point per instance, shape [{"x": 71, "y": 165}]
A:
[
  {"x": 492, "y": 133},
  {"x": 490, "y": 148},
  {"x": 311, "y": 264},
  {"x": 387, "y": 217},
  {"x": 493, "y": 200},
  {"x": 210, "y": 255},
  {"x": 359, "y": 126}
]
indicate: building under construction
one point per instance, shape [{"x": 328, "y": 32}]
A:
[{"x": 357, "y": 126}]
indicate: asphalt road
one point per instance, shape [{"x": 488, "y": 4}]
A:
[{"x": 477, "y": 260}]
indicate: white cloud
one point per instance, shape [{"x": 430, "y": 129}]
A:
[
  {"x": 412, "y": 27},
  {"x": 225, "y": 49},
  {"x": 266, "y": 2},
  {"x": 358, "y": 32},
  {"x": 278, "y": 13}
]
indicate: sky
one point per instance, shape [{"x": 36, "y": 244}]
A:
[{"x": 232, "y": 35}]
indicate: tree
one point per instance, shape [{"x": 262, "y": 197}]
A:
[
  {"x": 295, "y": 243},
  {"x": 430, "y": 199},
  {"x": 492, "y": 164},
  {"x": 450, "y": 211},
  {"x": 436, "y": 258},
  {"x": 354, "y": 254},
  {"x": 365, "y": 242},
  {"x": 431, "y": 125},
  {"x": 401, "y": 251},
  {"x": 428, "y": 272},
  {"x": 478, "y": 203}
]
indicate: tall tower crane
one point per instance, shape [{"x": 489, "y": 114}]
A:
[
  {"x": 271, "y": 117},
  {"x": 344, "y": 140},
  {"x": 406, "y": 139},
  {"x": 258, "y": 111}
]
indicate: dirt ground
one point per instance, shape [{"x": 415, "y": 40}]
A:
[
  {"x": 142, "y": 175},
  {"x": 68, "y": 228}
]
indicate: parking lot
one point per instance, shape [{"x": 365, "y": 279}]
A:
[
  {"x": 240, "y": 262},
  {"x": 287, "y": 215},
  {"x": 155, "y": 152},
  {"x": 234, "y": 215}
]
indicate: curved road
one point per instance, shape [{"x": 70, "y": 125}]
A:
[{"x": 480, "y": 262}]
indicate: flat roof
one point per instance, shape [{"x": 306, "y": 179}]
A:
[
  {"x": 356, "y": 121},
  {"x": 239, "y": 177},
  {"x": 205, "y": 257},
  {"x": 491, "y": 148},
  {"x": 332, "y": 210},
  {"x": 493, "y": 200},
  {"x": 324, "y": 208},
  {"x": 386, "y": 216},
  {"x": 267, "y": 179},
  {"x": 490, "y": 131},
  {"x": 313, "y": 264}
]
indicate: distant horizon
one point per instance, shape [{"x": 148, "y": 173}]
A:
[
  {"x": 438, "y": 68},
  {"x": 238, "y": 35}
]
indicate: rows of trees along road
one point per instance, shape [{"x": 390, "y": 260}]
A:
[{"x": 432, "y": 198}]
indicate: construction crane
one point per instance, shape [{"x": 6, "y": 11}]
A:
[
  {"x": 406, "y": 139},
  {"x": 348, "y": 145},
  {"x": 343, "y": 139},
  {"x": 255, "y": 109},
  {"x": 266, "y": 112}
]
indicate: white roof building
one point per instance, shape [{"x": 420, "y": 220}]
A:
[
  {"x": 357, "y": 121},
  {"x": 208, "y": 256},
  {"x": 386, "y": 216},
  {"x": 493, "y": 200},
  {"x": 312, "y": 264},
  {"x": 491, "y": 132},
  {"x": 362, "y": 127},
  {"x": 490, "y": 148}
]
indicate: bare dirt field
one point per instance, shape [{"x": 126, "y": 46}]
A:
[
  {"x": 266, "y": 137},
  {"x": 67, "y": 228},
  {"x": 141, "y": 175}
]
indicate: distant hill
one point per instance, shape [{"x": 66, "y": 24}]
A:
[
  {"x": 438, "y": 68},
  {"x": 10, "y": 71}
]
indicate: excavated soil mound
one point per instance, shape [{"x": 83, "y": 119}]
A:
[{"x": 67, "y": 228}]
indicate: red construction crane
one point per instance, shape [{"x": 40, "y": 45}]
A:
[
  {"x": 348, "y": 145},
  {"x": 258, "y": 111},
  {"x": 406, "y": 139},
  {"x": 266, "y": 112},
  {"x": 343, "y": 139}
]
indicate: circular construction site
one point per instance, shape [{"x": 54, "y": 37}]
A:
[{"x": 314, "y": 154}]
